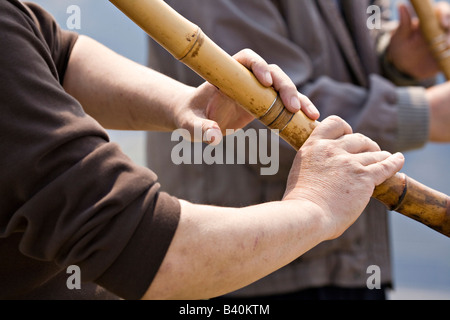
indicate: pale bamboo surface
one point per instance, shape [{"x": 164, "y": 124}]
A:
[
  {"x": 433, "y": 33},
  {"x": 187, "y": 43}
]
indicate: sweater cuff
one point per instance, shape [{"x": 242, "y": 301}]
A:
[
  {"x": 413, "y": 118},
  {"x": 391, "y": 73}
]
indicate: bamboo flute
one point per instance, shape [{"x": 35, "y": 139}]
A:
[
  {"x": 433, "y": 33},
  {"x": 187, "y": 43}
]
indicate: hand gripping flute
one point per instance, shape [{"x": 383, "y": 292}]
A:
[
  {"x": 433, "y": 33},
  {"x": 187, "y": 43}
]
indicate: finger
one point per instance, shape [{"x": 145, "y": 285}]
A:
[
  {"x": 273, "y": 76},
  {"x": 211, "y": 132},
  {"x": 252, "y": 61},
  {"x": 332, "y": 128},
  {"x": 308, "y": 107},
  {"x": 405, "y": 21},
  {"x": 288, "y": 91},
  {"x": 358, "y": 143},
  {"x": 383, "y": 170},
  {"x": 369, "y": 158},
  {"x": 213, "y": 136},
  {"x": 203, "y": 130}
]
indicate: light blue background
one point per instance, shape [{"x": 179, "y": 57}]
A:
[{"x": 421, "y": 256}]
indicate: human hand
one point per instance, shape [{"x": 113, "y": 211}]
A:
[
  {"x": 208, "y": 108},
  {"x": 408, "y": 51},
  {"x": 338, "y": 171}
]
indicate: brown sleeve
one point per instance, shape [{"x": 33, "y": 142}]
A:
[
  {"x": 60, "y": 42},
  {"x": 73, "y": 196}
]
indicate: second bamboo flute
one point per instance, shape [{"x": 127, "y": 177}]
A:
[
  {"x": 433, "y": 33},
  {"x": 187, "y": 43}
]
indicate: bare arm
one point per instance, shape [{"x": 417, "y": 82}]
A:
[
  {"x": 439, "y": 98},
  {"x": 218, "y": 250},
  {"x": 124, "y": 95},
  {"x": 118, "y": 92}
]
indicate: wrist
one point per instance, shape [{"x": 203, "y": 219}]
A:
[
  {"x": 178, "y": 106},
  {"x": 394, "y": 72},
  {"x": 437, "y": 97},
  {"x": 317, "y": 218}
]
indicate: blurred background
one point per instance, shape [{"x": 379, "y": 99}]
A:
[{"x": 421, "y": 256}]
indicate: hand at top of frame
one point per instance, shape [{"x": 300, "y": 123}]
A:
[{"x": 409, "y": 51}]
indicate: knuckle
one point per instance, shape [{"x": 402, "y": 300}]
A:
[
  {"x": 386, "y": 167},
  {"x": 284, "y": 86},
  {"x": 363, "y": 139},
  {"x": 312, "y": 144},
  {"x": 385, "y": 154},
  {"x": 368, "y": 142},
  {"x": 274, "y": 67},
  {"x": 335, "y": 120},
  {"x": 304, "y": 98},
  {"x": 383, "y": 171},
  {"x": 247, "y": 52},
  {"x": 333, "y": 151},
  {"x": 354, "y": 165}
]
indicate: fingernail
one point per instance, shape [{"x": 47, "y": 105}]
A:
[
  {"x": 312, "y": 110},
  {"x": 295, "y": 104},
  {"x": 269, "y": 79},
  {"x": 213, "y": 136},
  {"x": 399, "y": 155}
]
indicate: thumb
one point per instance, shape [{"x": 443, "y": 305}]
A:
[
  {"x": 204, "y": 130},
  {"x": 212, "y": 134},
  {"x": 405, "y": 21}
]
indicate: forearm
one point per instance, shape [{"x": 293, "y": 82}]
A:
[
  {"x": 219, "y": 250},
  {"x": 438, "y": 97},
  {"x": 119, "y": 93}
]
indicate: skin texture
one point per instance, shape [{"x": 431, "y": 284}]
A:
[
  {"x": 218, "y": 250},
  {"x": 124, "y": 97}
]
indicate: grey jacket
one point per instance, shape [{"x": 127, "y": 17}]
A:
[{"x": 340, "y": 65}]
